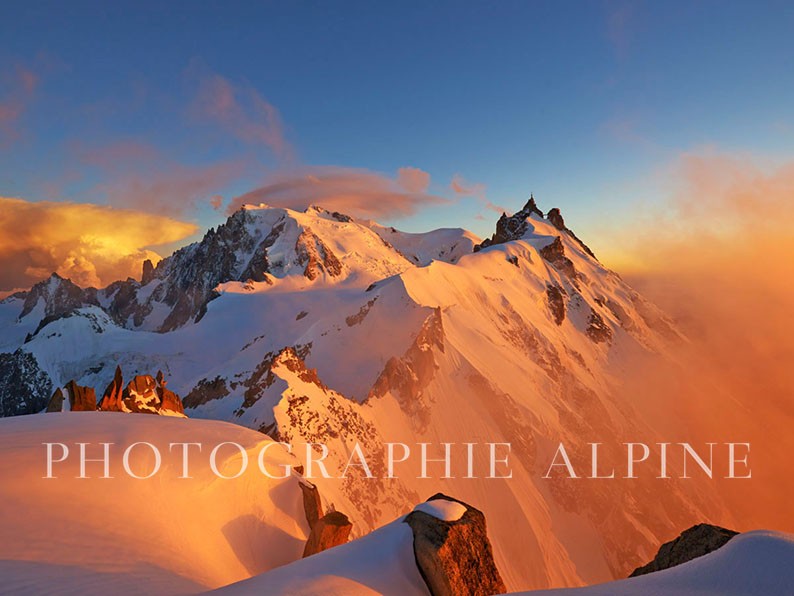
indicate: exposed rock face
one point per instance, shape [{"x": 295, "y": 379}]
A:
[
  {"x": 407, "y": 377},
  {"x": 555, "y": 217},
  {"x": 695, "y": 542},
  {"x": 359, "y": 317},
  {"x": 168, "y": 399},
  {"x": 515, "y": 226},
  {"x": 24, "y": 387},
  {"x": 81, "y": 399},
  {"x": 112, "y": 398},
  {"x": 556, "y": 299},
  {"x": 59, "y": 296},
  {"x": 316, "y": 256},
  {"x": 312, "y": 506},
  {"x": 455, "y": 557},
  {"x": 554, "y": 253},
  {"x": 206, "y": 391},
  {"x": 330, "y": 530},
  {"x": 150, "y": 396},
  {"x": 140, "y": 395},
  {"x": 147, "y": 273},
  {"x": 56, "y": 401},
  {"x": 511, "y": 228},
  {"x": 143, "y": 394},
  {"x": 597, "y": 329}
]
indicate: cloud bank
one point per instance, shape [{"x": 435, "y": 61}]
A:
[
  {"x": 717, "y": 257},
  {"x": 90, "y": 244}
]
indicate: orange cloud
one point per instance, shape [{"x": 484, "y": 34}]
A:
[
  {"x": 722, "y": 201},
  {"x": 90, "y": 244},
  {"x": 413, "y": 179},
  {"x": 353, "y": 191},
  {"x": 216, "y": 201},
  {"x": 717, "y": 257},
  {"x": 139, "y": 176},
  {"x": 461, "y": 187},
  {"x": 20, "y": 86},
  {"x": 242, "y": 111}
]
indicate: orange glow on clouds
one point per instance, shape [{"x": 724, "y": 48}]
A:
[
  {"x": 718, "y": 259},
  {"x": 90, "y": 244}
]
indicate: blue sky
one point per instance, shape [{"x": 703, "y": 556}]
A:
[{"x": 583, "y": 103}]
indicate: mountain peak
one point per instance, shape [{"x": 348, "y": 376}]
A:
[
  {"x": 59, "y": 295},
  {"x": 531, "y": 207},
  {"x": 513, "y": 227}
]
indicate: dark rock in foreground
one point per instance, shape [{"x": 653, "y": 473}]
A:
[
  {"x": 455, "y": 558},
  {"x": 695, "y": 542}
]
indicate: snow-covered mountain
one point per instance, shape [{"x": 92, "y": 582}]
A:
[{"x": 315, "y": 327}]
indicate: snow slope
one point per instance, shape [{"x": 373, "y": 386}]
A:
[
  {"x": 379, "y": 563},
  {"x": 164, "y": 535}
]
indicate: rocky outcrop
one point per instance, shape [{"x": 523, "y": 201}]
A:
[
  {"x": 147, "y": 272},
  {"x": 597, "y": 329},
  {"x": 24, "y": 387},
  {"x": 554, "y": 253},
  {"x": 169, "y": 401},
  {"x": 511, "y": 227},
  {"x": 555, "y": 217},
  {"x": 362, "y": 313},
  {"x": 695, "y": 542},
  {"x": 555, "y": 296},
  {"x": 312, "y": 505},
  {"x": 140, "y": 395},
  {"x": 143, "y": 394},
  {"x": 147, "y": 395},
  {"x": 81, "y": 399},
  {"x": 112, "y": 397},
  {"x": 205, "y": 391},
  {"x": 455, "y": 557},
  {"x": 330, "y": 530},
  {"x": 407, "y": 377},
  {"x": 58, "y": 296},
  {"x": 56, "y": 401},
  {"x": 316, "y": 257}
]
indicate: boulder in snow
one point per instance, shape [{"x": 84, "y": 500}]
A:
[
  {"x": 695, "y": 542},
  {"x": 452, "y": 549},
  {"x": 329, "y": 531}
]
